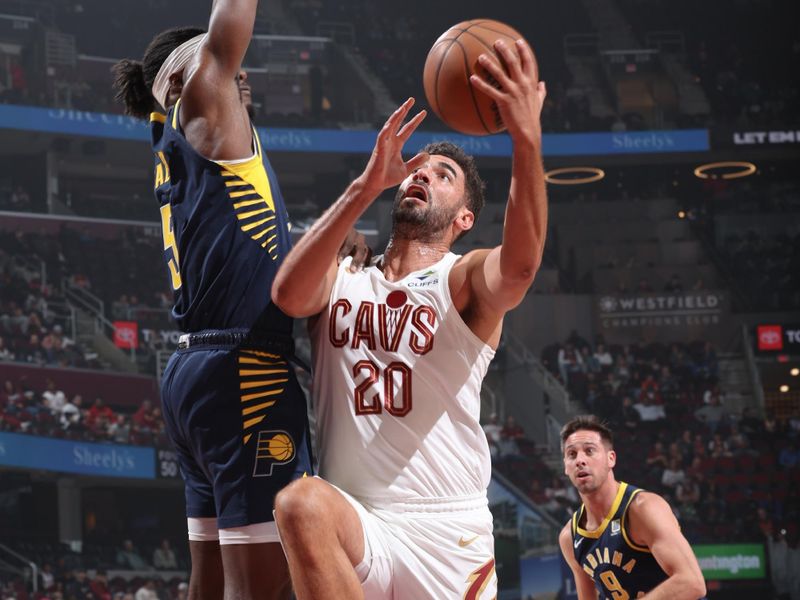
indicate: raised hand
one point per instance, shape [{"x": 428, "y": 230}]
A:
[
  {"x": 386, "y": 167},
  {"x": 520, "y": 94}
]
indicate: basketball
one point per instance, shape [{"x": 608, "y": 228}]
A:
[
  {"x": 281, "y": 447},
  {"x": 450, "y": 63}
]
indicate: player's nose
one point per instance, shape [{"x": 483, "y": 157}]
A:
[{"x": 422, "y": 174}]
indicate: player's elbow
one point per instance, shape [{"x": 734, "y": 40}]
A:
[
  {"x": 698, "y": 587},
  {"x": 695, "y": 587},
  {"x": 294, "y": 301}
]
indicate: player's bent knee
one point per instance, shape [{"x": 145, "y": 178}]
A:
[{"x": 300, "y": 504}]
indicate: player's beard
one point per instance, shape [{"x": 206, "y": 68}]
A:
[{"x": 424, "y": 223}]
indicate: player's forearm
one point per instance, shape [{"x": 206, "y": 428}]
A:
[
  {"x": 525, "y": 225},
  {"x": 680, "y": 586},
  {"x": 302, "y": 284},
  {"x": 229, "y": 31}
]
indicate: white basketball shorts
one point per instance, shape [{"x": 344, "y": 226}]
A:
[{"x": 438, "y": 550}]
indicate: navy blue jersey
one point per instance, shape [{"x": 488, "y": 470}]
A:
[
  {"x": 225, "y": 230},
  {"x": 619, "y": 567}
]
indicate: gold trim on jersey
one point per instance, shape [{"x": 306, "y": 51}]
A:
[
  {"x": 256, "y": 389},
  {"x": 158, "y": 117},
  {"x": 248, "y": 184},
  {"x": 612, "y": 511},
  {"x": 624, "y": 531}
]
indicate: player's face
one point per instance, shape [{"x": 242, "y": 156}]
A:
[
  {"x": 587, "y": 461},
  {"x": 245, "y": 92},
  {"x": 429, "y": 199}
]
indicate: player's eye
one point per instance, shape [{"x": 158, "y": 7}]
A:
[{"x": 445, "y": 176}]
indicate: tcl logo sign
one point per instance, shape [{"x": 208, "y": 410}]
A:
[
  {"x": 126, "y": 335},
  {"x": 770, "y": 337}
]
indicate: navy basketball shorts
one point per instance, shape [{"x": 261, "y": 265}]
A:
[{"x": 237, "y": 419}]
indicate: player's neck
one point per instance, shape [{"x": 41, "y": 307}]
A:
[
  {"x": 403, "y": 256},
  {"x": 599, "y": 502}
]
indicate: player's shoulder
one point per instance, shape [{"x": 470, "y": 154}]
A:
[
  {"x": 565, "y": 535},
  {"x": 646, "y": 504}
]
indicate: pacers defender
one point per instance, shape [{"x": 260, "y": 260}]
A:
[
  {"x": 623, "y": 542},
  {"x": 232, "y": 405},
  {"x": 400, "y": 351}
]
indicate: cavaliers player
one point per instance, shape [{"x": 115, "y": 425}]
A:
[
  {"x": 623, "y": 542},
  {"x": 233, "y": 408},
  {"x": 400, "y": 351}
]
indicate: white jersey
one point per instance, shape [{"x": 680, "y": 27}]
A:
[{"x": 397, "y": 380}]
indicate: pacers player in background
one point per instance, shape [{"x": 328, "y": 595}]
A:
[
  {"x": 233, "y": 408},
  {"x": 623, "y": 542},
  {"x": 400, "y": 350}
]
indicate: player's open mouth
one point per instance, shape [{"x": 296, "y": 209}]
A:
[
  {"x": 583, "y": 475},
  {"x": 417, "y": 191}
]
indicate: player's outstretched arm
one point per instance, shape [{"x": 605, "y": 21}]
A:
[
  {"x": 505, "y": 273},
  {"x": 304, "y": 281},
  {"x": 652, "y": 524},
  {"x": 583, "y": 583},
  {"x": 229, "y": 31}
]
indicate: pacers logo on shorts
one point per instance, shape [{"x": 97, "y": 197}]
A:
[{"x": 274, "y": 448}]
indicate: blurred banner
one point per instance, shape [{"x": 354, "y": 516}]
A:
[
  {"x": 64, "y": 121},
  {"x": 750, "y": 138},
  {"x": 731, "y": 561},
  {"x": 85, "y": 458},
  {"x": 664, "y": 317}
]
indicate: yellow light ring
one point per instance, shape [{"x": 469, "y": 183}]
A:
[
  {"x": 747, "y": 168},
  {"x": 595, "y": 174}
]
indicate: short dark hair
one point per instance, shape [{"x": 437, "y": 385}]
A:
[
  {"x": 134, "y": 79},
  {"x": 588, "y": 423},
  {"x": 474, "y": 186}
]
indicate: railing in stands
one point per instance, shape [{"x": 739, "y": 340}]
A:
[
  {"x": 28, "y": 569},
  {"x": 755, "y": 375}
]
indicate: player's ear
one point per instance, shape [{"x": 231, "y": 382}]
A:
[
  {"x": 465, "y": 219},
  {"x": 612, "y": 459}
]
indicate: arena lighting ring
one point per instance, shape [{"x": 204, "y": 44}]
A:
[
  {"x": 747, "y": 168},
  {"x": 595, "y": 174}
]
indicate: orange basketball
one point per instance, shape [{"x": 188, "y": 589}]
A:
[{"x": 451, "y": 61}]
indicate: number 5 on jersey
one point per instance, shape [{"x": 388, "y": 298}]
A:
[{"x": 168, "y": 234}]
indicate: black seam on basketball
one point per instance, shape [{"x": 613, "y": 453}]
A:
[
  {"x": 438, "y": 106},
  {"x": 496, "y": 31},
  {"x": 468, "y": 69}
]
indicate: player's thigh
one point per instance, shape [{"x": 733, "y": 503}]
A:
[
  {"x": 245, "y": 423},
  {"x": 256, "y": 571},
  {"x": 444, "y": 557},
  {"x": 311, "y": 511}
]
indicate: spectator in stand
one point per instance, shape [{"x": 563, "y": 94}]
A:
[
  {"x": 603, "y": 358},
  {"x": 713, "y": 414},
  {"x": 649, "y": 411},
  {"x": 5, "y": 353},
  {"x": 673, "y": 474},
  {"x": 47, "y": 576},
  {"x": 674, "y": 284},
  {"x": 128, "y": 558},
  {"x": 493, "y": 431},
  {"x": 536, "y": 492},
  {"x": 99, "y": 586},
  {"x": 569, "y": 361},
  {"x": 79, "y": 587},
  {"x": 183, "y": 591},
  {"x": 164, "y": 557},
  {"x": 97, "y": 410},
  {"x": 143, "y": 418},
  {"x": 72, "y": 414},
  {"x": 119, "y": 431},
  {"x": 657, "y": 459},
  {"x": 147, "y": 591},
  {"x": 789, "y": 456},
  {"x": 512, "y": 430},
  {"x": 54, "y": 398}
]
